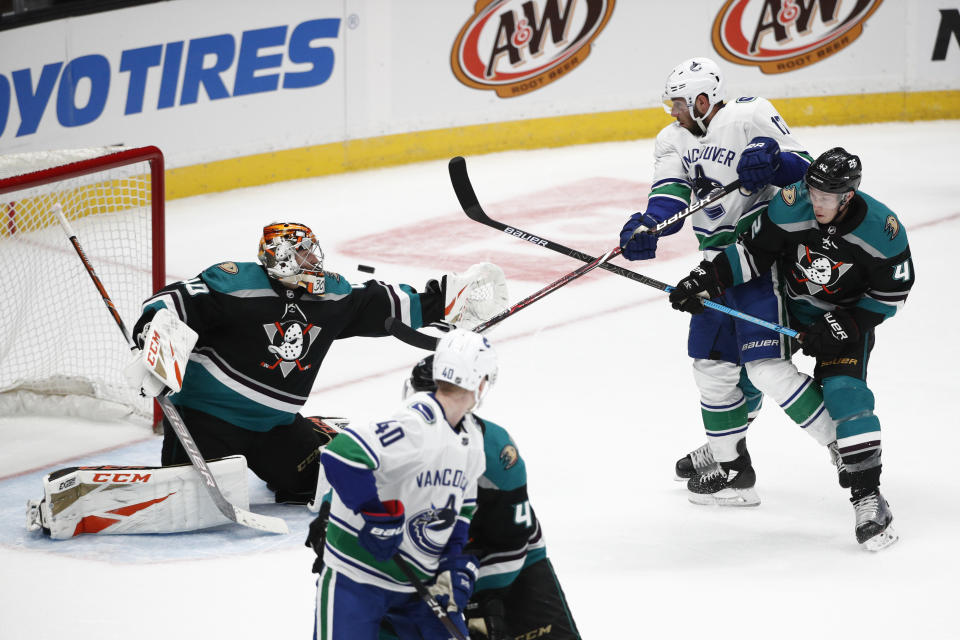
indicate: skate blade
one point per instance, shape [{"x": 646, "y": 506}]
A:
[
  {"x": 882, "y": 540},
  {"x": 727, "y": 498}
]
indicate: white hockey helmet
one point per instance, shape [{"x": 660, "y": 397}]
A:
[
  {"x": 291, "y": 255},
  {"x": 464, "y": 359},
  {"x": 688, "y": 80}
]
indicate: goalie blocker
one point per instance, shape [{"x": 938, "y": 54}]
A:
[{"x": 116, "y": 500}]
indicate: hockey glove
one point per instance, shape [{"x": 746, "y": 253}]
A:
[
  {"x": 455, "y": 580},
  {"x": 326, "y": 428},
  {"x": 161, "y": 362},
  {"x": 317, "y": 535},
  {"x": 703, "y": 279},
  {"x": 642, "y": 246},
  {"x": 833, "y": 333},
  {"x": 382, "y": 531},
  {"x": 474, "y": 296},
  {"x": 488, "y": 619},
  {"x": 759, "y": 161}
]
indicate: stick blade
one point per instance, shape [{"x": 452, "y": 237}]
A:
[
  {"x": 406, "y": 333},
  {"x": 260, "y": 522},
  {"x": 460, "y": 180}
]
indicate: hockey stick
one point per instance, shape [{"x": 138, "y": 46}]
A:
[
  {"x": 414, "y": 338},
  {"x": 471, "y": 206},
  {"x": 426, "y": 596},
  {"x": 231, "y": 511},
  {"x": 405, "y": 333}
]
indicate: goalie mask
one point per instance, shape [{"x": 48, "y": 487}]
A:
[
  {"x": 291, "y": 255},
  {"x": 691, "y": 78}
]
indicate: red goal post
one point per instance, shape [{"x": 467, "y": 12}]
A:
[{"x": 60, "y": 351}]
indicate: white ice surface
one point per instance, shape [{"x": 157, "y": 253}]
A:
[{"x": 596, "y": 389}]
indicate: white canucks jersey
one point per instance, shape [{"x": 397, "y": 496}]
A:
[
  {"x": 418, "y": 458},
  {"x": 684, "y": 162}
]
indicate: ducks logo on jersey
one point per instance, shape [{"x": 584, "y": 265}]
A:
[
  {"x": 817, "y": 271},
  {"x": 290, "y": 340},
  {"x": 789, "y": 195},
  {"x": 892, "y": 226},
  {"x": 509, "y": 456}
]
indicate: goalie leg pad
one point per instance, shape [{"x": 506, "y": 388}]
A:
[{"x": 117, "y": 500}]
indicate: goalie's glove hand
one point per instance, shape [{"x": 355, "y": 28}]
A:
[
  {"x": 317, "y": 535},
  {"x": 642, "y": 246},
  {"x": 141, "y": 377},
  {"x": 382, "y": 530},
  {"x": 474, "y": 296},
  {"x": 759, "y": 162},
  {"x": 457, "y": 574},
  {"x": 686, "y": 296},
  {"x": 833, "y": 333},
  {"x": 166, "y": 345}
]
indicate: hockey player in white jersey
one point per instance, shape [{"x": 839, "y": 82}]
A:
[
  {"x": 713, "y": 143},
  {"x": 406, "y": 486}
]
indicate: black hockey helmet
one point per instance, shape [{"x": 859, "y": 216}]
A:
[
  {"x": 421, "y": 378},
  {"x": 835, "y": 171}
]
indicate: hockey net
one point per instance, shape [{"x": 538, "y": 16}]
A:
[{"x": 61, "y": 352}]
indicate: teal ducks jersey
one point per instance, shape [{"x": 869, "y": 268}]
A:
[
  {"x": 861, "y": 263},
  {"x": 505, "y": 534},
  {"x": 418, "y": 458},
  {"x": 261, "y": 344},
  {"x": 686, "y": 165}
]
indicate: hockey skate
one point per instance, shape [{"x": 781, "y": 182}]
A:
[
  {"x": 726, "y": 484},
  {"x": 873, "y": 521},
  {"x": 34, "y": 515},
  {"x": 695, "y": 463}
]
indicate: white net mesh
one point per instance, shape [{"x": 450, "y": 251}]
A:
[{"x": 58, "y": 339}]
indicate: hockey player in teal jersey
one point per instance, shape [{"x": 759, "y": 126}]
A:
[
  {"x": 846, "y": 268},
  {"x": 264, "y": 330},
  {"x": 406, "y": 486},
  {"x": 517, "y": 592}
]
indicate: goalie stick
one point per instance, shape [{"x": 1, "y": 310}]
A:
[
  {"x": 425, "y": 595},
  {"x": 471, "y": 206},
  {"x": 231, "y": 511}
]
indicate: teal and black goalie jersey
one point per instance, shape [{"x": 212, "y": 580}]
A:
[{"x": 261, "y": 344}]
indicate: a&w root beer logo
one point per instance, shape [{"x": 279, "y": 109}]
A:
[
  {"x": 517, "y": 46},
  {"x": 784, "y": 35}
]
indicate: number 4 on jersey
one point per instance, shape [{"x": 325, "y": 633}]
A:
[
  {"x": 902, "y": 271},
  {"x": 522, "y": 514}
]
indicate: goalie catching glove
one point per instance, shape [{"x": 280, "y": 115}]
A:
[
  {"x": 160, "y": 363},
  {"x": 474, "y": 296}
]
